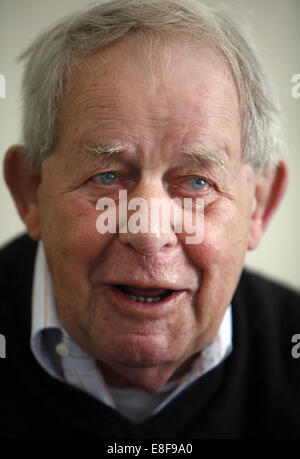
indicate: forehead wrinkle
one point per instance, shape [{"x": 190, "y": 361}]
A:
[{"x": 199, "y": 153}]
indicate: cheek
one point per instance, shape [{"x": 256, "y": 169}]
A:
[
  {"x": 70, "y": 235},
  {"x": 220, "y": 257},
  {"x": 225, "y": 240}
]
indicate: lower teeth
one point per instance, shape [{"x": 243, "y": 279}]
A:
[{"x": 144, "y": 299}]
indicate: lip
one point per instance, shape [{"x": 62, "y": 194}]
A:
[{"x": 128, "y": 305}]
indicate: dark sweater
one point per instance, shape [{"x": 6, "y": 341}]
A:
[{"x": 255, "y": 392}]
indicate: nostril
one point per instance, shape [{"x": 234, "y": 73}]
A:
[{"x": 148, "y": 243}]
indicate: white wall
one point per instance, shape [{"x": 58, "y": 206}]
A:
[{"x": 276, "y": 28}]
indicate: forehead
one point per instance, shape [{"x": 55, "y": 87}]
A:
[{"x": 179, "y": 87}]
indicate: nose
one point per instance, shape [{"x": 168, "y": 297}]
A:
[{"x": 148, "y": 228}]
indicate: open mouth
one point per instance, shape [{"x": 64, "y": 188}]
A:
[{"x": 144, "y": 295}]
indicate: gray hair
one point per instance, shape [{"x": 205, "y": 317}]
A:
[{"x": 51, "y": 57}]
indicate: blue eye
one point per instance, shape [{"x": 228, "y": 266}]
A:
[
  {"x": 198, "y": 183},
  {"x": 106, "y": 178}
]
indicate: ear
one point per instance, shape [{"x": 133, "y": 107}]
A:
[
  {"x": 23, "y": 182},
  {"x": 270, "y": 188}
]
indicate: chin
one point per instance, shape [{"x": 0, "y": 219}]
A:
[
  {"x": 146, "y": 362},
  {"x": 143, "y": 352}
]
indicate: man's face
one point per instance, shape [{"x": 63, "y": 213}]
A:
[{"x": 186, "y": 100}]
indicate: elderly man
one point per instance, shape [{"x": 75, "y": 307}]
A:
[{"x": 127, "y": 333}]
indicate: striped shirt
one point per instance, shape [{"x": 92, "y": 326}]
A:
[{"x": 63, "y": 359}]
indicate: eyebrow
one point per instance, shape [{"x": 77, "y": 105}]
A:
[
  {"x": 103, "y": 150},
  {"x": 199, "y": 153}
]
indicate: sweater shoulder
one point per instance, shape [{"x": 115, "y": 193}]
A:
[
  {"x": 266, "y": 309},
  {"x": 16, "y": 273},
  {"x": 16, "y": 255},
  {"x": 264, "y": 292}
]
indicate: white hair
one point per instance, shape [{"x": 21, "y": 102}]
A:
[{"x": 51, "y": 57}]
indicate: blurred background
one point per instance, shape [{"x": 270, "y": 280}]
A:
[{"x": 275, "y": 25}]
